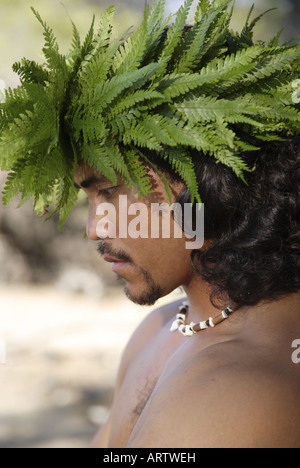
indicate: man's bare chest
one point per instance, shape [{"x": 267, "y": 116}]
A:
[{"x": 142, "y": 379}]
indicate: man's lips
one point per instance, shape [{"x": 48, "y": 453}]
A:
[
  {"x": 109, "y": 259},
  {"x": 118, "y": 265}
]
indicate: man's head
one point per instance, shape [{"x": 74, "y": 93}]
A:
[
  {"x": 152, "y": 266},
  {"x": 252, "y": 232}
]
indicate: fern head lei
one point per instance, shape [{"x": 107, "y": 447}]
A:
[{"x": 167, "y": 88}]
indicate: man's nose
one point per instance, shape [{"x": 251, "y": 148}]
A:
[
  {"x": 101, "y": 222},
  {"x": 91, "y": 226}
]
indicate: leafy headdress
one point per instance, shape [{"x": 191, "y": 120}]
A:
[{"x": 165, "y": 88}]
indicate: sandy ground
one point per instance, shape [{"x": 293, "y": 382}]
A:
[{"x": 61, "y": 357}]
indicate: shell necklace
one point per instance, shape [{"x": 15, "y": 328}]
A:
[{"x": 193, "y": 328}]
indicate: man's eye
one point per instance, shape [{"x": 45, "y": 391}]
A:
[{"x": 107, "y": 192}]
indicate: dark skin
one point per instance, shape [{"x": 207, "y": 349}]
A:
[{"x": 231, "y": 386}]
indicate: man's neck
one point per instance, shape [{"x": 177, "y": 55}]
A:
[{"x": 278, "y": 316}]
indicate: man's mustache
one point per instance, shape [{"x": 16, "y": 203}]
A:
[{"x": 104, "y": 248}]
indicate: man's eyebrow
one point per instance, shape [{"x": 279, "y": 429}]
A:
[{"x": 87, "y": 183}]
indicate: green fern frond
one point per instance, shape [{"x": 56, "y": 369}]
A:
[
  {"x": 13, "y": 184},
  {"x": 99, "y": 157},
  {"x": 202, "y": 8},
  {"x": 174, "y": 90},
  {"x": 202, "y": 35},
  {"x": 76, "y": 40},
  {"x": 217, "y": 76},
  {"x": 176, "y": 30},
  {"x": 56, "y": 62},
  {"x": 138, "y": 173},
  {"x": 156, "y": 15},
  {"x": 276, "y": 61},
  {"x": 156, "y": 24},
  {"x": 207, "y": 109},
  {"x": 50, "y": 39},
  {"x": 139, "y": 136},
  {"x": 246, "y": 36},
  {"x": 87, "y": 46},
  {"x": 160, "y": 128},
  {"x": 130, "y": 55},
  {"x": 103, "y": 36},
  {"x": 90, "y": 127},
  {"x": 136, "y": 98},
  {"x": 231, "y": 159},
  {"x": 14, "y": 140},
  {"x": 30, "y": 72},
  {"x": 107, "y": 91},
  {"x": 182, "y": 163}
]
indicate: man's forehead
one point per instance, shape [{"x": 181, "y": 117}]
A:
[{"x": 86, "y": 176}]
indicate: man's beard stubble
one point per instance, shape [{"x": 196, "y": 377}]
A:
[{"x": 152, "y": 291}]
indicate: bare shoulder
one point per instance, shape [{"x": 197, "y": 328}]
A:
[
  {"x": 139, "y": 340},
  {"x": 217, "y": 400},
  {"x": 146, "y": 331}
]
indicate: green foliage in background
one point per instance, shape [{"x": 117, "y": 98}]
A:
[{"x": 108, "y": 103}]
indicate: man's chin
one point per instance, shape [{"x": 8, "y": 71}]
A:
[{"x": 144, "y": 296}]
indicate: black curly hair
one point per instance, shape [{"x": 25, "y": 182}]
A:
[{"x": 253, "y": 230}]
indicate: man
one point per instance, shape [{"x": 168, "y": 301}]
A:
[
  {"x": 173, "y": 115},
  {"x": 234, "y": 385}
]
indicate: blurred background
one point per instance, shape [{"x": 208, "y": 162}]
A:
[{"x": 59, "y": 303}]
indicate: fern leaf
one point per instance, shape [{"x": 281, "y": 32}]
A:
[
  {"x": 218, "y": 76},
  {"x": 156, "y": 16},
  {"x": 274, "y": 42},
  {"x": 105, "y": 92},
  {"x": 182, "y": 163},
  {"x": 138, "y": 97},
  {"x": 13, "y": 183},
  {"x": 176, "y": 30},
  {"x": 130, "y": 55},
  {"x": 87, "y": 45},
  {"x": 140, "y": 136},
  {"x": 104, "y": 32},
  {"x": 50, "y": 39},
  {"x": 118, "y": 161},
  {"x": 138, "y": 173},
  {"x": 90, "y": 127},
  {"x": 76, "y": 41},
  {"x": 161, "y": 128},
  {"x": 30, "y": 72},
  {"x": 67, "y": 207},
  {"x": 157, "y": 26},
  {"x": 14, "y": 140},
  {"x": 98, "y": 68},
  {"x": 196, "y": 49},
  {"x": 206, "y": 109},
  {"x": 95, "y": 44},
  {"x": 202, "y": 8},
  {"x": 246, "y": 36},
  {"x": 272, "y": 63},
  {"x": 56, "y": 62},
  {"x": 233, "y": 160},
  {"x": 122, "y": 122},
  {"x": 99, "y": 157}
]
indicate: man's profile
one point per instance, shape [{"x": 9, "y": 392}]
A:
[{"x": 178, "y": 116}]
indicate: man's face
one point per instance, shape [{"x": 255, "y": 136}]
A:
[{"x": 151, "y": 267}]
